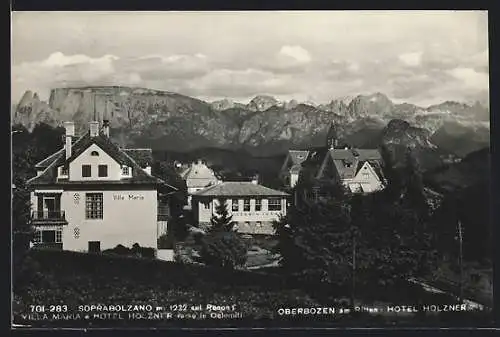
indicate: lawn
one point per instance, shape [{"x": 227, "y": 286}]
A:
[{"x": 74, "y": 279}]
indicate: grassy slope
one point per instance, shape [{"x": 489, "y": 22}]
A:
[{"x": 82, "y": 279}]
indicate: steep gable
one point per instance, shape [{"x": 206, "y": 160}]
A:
[
  {"x": 139, "y": 176},
  {"x": 348, "y": 162},
  {"x": 366, "y": 168},
  {"x": 294, "y": 159}
]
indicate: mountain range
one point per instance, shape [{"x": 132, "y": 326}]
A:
[{"x": 264, "y": 126}]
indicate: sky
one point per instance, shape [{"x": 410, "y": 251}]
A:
[{"x": 419, "y": 57}]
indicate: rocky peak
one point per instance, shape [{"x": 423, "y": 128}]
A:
[
  {"x": 401, "y": 132},
  {"x": 291, "y": 104},
  {"x": 262, "y": 103},
  {"x": 375, "y": 104},
  {"x": 222, "y": 104},
  {"x": 397, "y": 125}
]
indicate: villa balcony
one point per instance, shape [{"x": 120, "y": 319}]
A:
[{"x": 48, "y": 218}]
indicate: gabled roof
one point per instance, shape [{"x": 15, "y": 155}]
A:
[
  {"x": 294, "y": 160},
  {"x": 349, "y": 161},
  {"x": 298, "y": 156},
  {"x": 139, "y": 176},
  {"x": 49, "y": 160},
  {"x": 198, "y": 175},
  {"x": 239, "y": 188}
]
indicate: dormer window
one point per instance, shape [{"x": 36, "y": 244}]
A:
[
  {"x": 63, "y": 171},
  {"x": 94, "y": 154}
]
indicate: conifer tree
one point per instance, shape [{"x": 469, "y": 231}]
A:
[
  {"x": 221, "y": 220},
  {"x": 222, "y": 246}
]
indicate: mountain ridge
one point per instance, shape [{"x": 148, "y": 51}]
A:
[{"x": 264, "y": 125}]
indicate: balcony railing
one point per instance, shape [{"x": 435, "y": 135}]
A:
[{"x": 48, "y": 216}]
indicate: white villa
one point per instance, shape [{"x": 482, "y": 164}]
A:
[{"x": 92, "y": 195}]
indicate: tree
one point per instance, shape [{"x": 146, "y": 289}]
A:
[
  {"x": 177, "y": 225},
  {"x": 400, "y": 234},
  {"x": 314, "y": 239},
  {"x": 28, "y": 148},
  {"x": 221, "y": 220},
  {"x": 413, "y": 193},
  {"x": 222, "y": 246},
  {"x": 391, "y": 174},
  {"x": 224, "y": 250}
]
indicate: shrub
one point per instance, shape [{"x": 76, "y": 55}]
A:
[
  {"x": 136, "y": 250},
  {"x": 166, "y": 241},
  {"x": 223, "y": 249}
]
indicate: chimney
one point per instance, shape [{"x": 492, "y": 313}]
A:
[
  {"x": 94, "y": 128},
  {"x": 70, "y": 133},
  {"x": 255, "y": 179},
  {"x": 105, "y": 127}
]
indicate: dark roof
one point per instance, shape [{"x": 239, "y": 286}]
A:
[
  {"x": 49, "y": 160},
  {"x": 349, "y": 161},
  {"x": 143, "y": 157},
  {"x": 239, "y": 188},
  {"x": 139, "y": 176}
]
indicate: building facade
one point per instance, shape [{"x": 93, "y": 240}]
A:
[
  {"x": 289, "y": 173},
  {"x": 198, "y": 176},
  {"x": 91, "y": 195},
  {"x": 359, "y": 170},
  {"x": 253, "y": 207}
]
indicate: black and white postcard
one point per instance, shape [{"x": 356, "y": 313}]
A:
[{"x": 247, "y": 169}]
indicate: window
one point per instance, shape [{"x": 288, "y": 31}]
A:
[
  {"x": 206, "y": 204},
  {"x": 94, "y": 154},
  {"x": 86, "y": 171},
  {"x": 37, "y": 238},
  {"x": 93, "y": 206},
  {"x": 274, "y": 204},
  {"x": 58, "y": 236},
  {"x": 246, "y": 205},
  {"x": 258, "y": 205},
  {"x": 64, "y": 170},
  {"x": 103, "y": 170},
  {"x": 235, "y": 205},
  {"x": 94, "y": 246},
  {"x": 125, "y": 170},
  {"x": 48, "y": 236}
]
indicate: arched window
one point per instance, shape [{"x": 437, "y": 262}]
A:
[{"x": 94, "y": 153}]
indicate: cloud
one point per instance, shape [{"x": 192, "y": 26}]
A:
[
  {"x": 59, "y": 70},
  {"x": 411, "y": 59},
  {"x": 285, "y": 70},
  {"x": 471, "y": 78},
  {"x": 297, "y": 53},
  {"x": 241, "y": 83}
]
